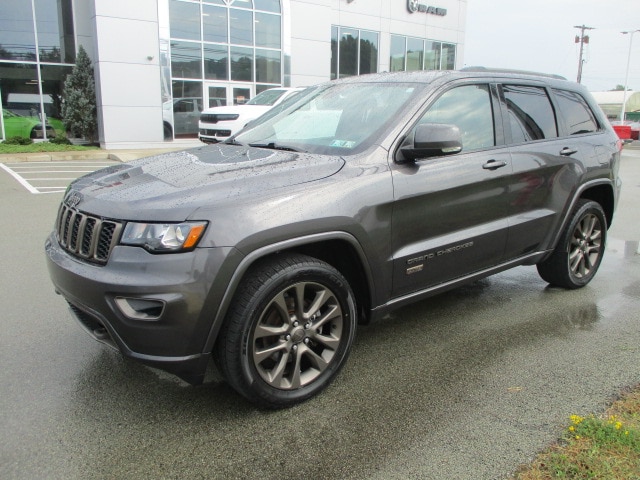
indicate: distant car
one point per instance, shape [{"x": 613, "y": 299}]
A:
[
  {"x": 16, "y": 125},
  {"x": 219, "y": 123}
]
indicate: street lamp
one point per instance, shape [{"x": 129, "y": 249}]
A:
[{"x": 626, "y": 77}]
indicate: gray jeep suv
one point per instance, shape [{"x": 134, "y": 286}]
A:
[{"x": 356, "y": 197}]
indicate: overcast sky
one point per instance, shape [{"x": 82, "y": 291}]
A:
[{"x": 539, "y": 35}]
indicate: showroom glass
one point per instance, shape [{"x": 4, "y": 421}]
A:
[
  {"x": 353, "y": 52},
  {"x": 577, "y": 115},
  {"x": 408, "y": 53},
  {"x": 397, "y": 55},
  {"x": 469, "y": 108},
  {"x": 268, "y": 66},
  {"x": 216, "y": 62},
  {"x": 22, "y": 69},
  {"x": 415, "y": 54},
  {"x": 184, "y": 20},
  {"x": 531, "y": 115},
  {"x": 214, "y": 24}
]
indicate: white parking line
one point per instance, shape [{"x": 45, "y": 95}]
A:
[{"x": 37, "y": 177}]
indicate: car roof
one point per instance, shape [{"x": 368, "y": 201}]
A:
[{"x": 433, "y": 76}]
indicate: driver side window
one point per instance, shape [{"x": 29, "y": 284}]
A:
[{"x": 468, "y": 107}]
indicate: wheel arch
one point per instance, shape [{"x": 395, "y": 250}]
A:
[
  {"x": 341, "y": 250},
  {"x": 602, "y": 194}
]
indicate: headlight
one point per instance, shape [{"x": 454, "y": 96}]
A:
[{"x": 163, "y": 237}]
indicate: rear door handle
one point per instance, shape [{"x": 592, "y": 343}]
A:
[
  {"x": 567, "y": 152},
  {"x": 493, "y": 165}
]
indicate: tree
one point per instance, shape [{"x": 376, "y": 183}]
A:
[{"x": 79, "y": 111}]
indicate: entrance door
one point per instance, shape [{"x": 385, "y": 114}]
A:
[{"x": 221, "y": 95}]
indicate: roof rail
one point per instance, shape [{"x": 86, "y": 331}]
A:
[{"x": 507, "y": 70}]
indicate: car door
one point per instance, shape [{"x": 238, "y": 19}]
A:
[
  {"x": 546, "y": 166},
  {"x": 449, "y": 215}
]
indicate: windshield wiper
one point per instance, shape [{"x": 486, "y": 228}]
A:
[{"x": 274, "y": 146}]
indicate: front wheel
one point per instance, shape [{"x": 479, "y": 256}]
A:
[
  {"x": 288, "y": 332},
  {"x": 579, "y": 252}
]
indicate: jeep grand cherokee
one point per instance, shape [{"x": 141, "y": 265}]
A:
[{"x": 361, "y": 196}]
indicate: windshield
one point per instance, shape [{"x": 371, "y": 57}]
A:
[
  {"x": 268, "y": 97},
  {"x": 338, "y": 119}
]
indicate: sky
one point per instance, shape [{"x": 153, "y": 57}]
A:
[{"x": 539, "y": 35}]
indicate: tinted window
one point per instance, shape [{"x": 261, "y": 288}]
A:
[
  {"x": 531, "y": 115},
  {"x": 469, "y": 108},
  {"x": 576, "y": 113}
]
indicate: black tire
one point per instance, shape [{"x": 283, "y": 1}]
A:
[
  {"x": 288, "y": 331},
  {"x": 576, "y": 258}
]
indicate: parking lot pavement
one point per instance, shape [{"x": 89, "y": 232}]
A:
[{"x": 51, "y": 177}]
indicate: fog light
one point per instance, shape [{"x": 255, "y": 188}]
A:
[{"x": 140, "y": 308}]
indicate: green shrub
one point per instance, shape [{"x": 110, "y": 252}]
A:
[
  {"x": 18, "y": 141},
  {"x": 60, "y": 140}
]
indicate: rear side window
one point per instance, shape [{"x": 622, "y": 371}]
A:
[
  {"x": 531, "y": 114},
  {"x": 576, "y": 113}
]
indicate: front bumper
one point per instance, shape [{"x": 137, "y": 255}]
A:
[{"x": 157, "y": 309}]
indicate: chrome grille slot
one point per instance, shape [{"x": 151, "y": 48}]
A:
[{"x": 85, "y": 236}]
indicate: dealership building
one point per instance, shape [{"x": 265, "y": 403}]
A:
[{"x": 158, "y": 63}]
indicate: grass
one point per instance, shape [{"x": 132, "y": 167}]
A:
[
  {"x": 606, "y": 447},
  {"x": 41, "y": 147}
]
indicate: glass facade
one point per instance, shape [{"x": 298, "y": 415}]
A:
[
  {"x": 37, "y": 51},
  {"x": 218, "y": 52},
  {"x": 353, "y": 52},
  {"x": 409, "y": 53}
]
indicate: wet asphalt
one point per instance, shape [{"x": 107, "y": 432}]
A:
[{"x": 466, "y": 385}]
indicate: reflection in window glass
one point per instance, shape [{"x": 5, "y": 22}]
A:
[
  {"x": 241, "y": 64},
  {"x": 53, "y": 77},
  {"x": 448, "y": 56},
  {"x": 187, "y": 105},
  {"x": 184, "y": 20},
  {"x": 268, "y": 66},
  {"x": 368, "y": 52},
  {"x": 396, "y": 62},
  {"x": 415, "y": 48},
  {"x": 55, "y": 30},
  {"x": 468, "y": 107},
  {"x": 216, "y": 62},
  {"x": 334, "y": 52},
  {"x": 214, "y": 24},
  {"x": 17, "y": 39},
  {"x": 268, "y": 30},
  {"x": 432, "y": 56},
  {"x": 531, "y": 115},
  {"x": 241, "y": 26},
  {"x": 576, "y": 113},
  {"x": 268, "y": 5},
  {"x": 348, "y": 52},
  {"x": 186, "y": 60}
]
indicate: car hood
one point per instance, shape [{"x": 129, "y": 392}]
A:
[{"x": 171, "y": 186}]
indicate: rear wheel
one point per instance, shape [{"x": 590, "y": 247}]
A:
[
  {"x": 579, "y": 252},
  {"x": 288, "y": 332}
]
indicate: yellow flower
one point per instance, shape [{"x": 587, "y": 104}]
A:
[
  {"x": 576, "y": 419},
  {"x": 618, "y": 425},
  {"x": 572, "y": 428}
]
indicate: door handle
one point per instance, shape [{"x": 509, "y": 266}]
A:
[
  {"x": 566, "y": 152},
  {"x": 493, "y": 165}
]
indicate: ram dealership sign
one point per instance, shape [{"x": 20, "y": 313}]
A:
[{"x": 414, "y": 6}]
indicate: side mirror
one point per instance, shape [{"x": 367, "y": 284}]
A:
[{"x": 432, "y": 140}]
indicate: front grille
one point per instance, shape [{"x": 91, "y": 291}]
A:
[
  {"x": 215, "y": 133},
  {"x": 88, "y": 237},
  {"x": 218, "y": 117}
]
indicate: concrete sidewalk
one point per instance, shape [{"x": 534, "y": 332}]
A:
[{"x": 118, "y": 155}]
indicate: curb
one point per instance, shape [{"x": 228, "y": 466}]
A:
[{"x": 112, "y": 155}]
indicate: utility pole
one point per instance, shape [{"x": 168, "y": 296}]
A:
[{"x": 581, "y": 39}]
